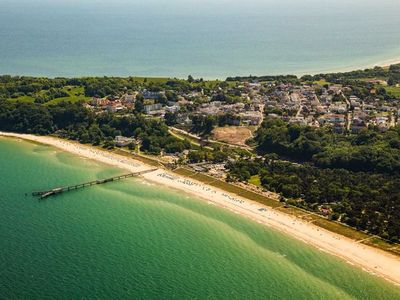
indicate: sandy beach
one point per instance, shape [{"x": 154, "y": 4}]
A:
[{"x": 375, "y": 261}]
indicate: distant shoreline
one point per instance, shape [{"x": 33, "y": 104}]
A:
[
  {"x": 374, "y": 261},
  {"x": 383, "y": 64}
]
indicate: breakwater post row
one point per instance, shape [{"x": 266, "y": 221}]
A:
[{"x": 59, "y": 190}]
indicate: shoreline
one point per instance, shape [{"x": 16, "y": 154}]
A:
[
  {"x": 370, "y": 259},
  {"x": 382, "y": 63}
]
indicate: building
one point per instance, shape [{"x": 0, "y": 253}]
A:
[
  {"x": 114, "y": 107},
  {"x": 358, "y": 125},
  {"x": 251, "y": 117},
  {"x": 122, "y": 141},
  {"x": 152, "y": 107},
  {"x": 150, "y": 95},
  {"x": 173, "y": 108},
  {"x": 129, "y": 98}
]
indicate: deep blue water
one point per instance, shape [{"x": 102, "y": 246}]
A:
[{"x": 211, "y": 39}]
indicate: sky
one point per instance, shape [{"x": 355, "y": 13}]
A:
[{"x": 212, "y": 5}]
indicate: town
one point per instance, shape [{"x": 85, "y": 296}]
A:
[{"x": 246, "y": 103}]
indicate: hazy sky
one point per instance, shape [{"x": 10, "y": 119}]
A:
[{"x": 210, "y": 5}]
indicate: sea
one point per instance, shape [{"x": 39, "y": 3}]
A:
[
  {"x": 134, "y": 239},
  {"x": 205, "y": 38}
]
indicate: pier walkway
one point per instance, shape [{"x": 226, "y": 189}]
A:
[{"x": 59, "y": 190}]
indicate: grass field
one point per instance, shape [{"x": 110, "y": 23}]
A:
[
  {"x": 151, "y": 79},
  {"x": 22, "y": 99},
  {"x": 393, "y": 90},
  {"x": 321, "y": 82},
  {"x": 255, "y": 180},
  {"x": 76, "y": 93},
  {"x": 373, "y": 79},
  {"x": 195, "y": 143}
]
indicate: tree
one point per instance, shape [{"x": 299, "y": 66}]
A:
[
  {"x": 171, "y": 96},
  {"x": 132, "y": 146},
  {"x": 196, "y": 156},
  {"x": 139, "y": 104},
  {"x": 170, "y": 118},
  {"x": 109, "y": 143},
  {"x": 392, "y": 81},
  {"x": 162, "y": 99},
  {"x": 96, "y": 136},
  {"x": 219, "y": 156}
]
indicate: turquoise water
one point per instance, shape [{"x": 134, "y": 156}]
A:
[
  {"x": 211, "y": 39},
  {"x": 135, "y": 240}
]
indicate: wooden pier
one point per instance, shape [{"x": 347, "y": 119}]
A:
[{"x": 59, "y": 190}]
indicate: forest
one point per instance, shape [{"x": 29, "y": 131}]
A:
[
  {"x": 391, "y": 74},
  {"x": 364, "y": 200},
  {"x": 42, "y": 90},
  {"x": 370, "y": 150},
  {"x": 355, "y": 177},
  {"x": 73, "y": 121}
]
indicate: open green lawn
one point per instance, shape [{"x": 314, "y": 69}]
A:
[
  {"x": 373, "y": 79},
  {"x": 393, "y": 90},
  {"x": 151, "y": 79},
  {"x": 22, "y": 99},
  {"x": 255, "y": 180},
  {"x": 214, "y": 83},
  {"x": 76, "y": 93},
  {"x": 321, "y": 82},
  {"x": 208, "y": 83}
]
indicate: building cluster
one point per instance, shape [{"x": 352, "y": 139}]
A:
[
  {"x": 239, "y": 113},
  {"x": 249, "y": 113},
  {"x": 330, "y": 106},
  {"x": 112, "y": 105}
]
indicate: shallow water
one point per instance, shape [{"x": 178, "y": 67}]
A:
[{"x": 133, "y": 239}]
